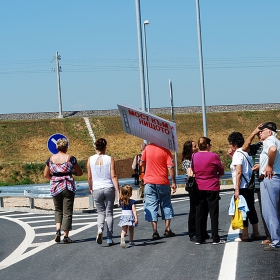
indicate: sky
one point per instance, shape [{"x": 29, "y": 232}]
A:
[{"x": 97, "y": 42}]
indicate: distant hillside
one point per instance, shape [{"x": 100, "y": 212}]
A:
[{"x": 23, "y": 150}]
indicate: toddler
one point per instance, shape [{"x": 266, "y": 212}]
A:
[{"x": 129, "y": 215}]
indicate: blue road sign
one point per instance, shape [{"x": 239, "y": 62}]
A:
[{"x": 51, "y": 144}]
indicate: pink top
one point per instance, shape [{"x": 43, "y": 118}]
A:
[
  {"x": 207, "y": 168},
  {"x": 157, "y": 160}
]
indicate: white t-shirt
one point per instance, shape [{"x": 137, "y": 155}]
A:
[
  {"x": 239, "y": 159},
  {"x": 267, "y": 143},
  {"x": 101, "y": 174}
]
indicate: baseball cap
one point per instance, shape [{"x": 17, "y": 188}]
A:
[{"x": 269, "y": 125}]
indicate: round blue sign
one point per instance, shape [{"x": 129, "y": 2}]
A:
[{"x": 51, "y": 144}]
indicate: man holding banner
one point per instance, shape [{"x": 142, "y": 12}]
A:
[{"x": 158, "y": 162}]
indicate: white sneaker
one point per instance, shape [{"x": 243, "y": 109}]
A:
[
  {"x": 99, "y": 237},
  {"x": 110, "y": 241},
  {"x": 123, "y": 245},
  {"x": 220, "y": 242}
]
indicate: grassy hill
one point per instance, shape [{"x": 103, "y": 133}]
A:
[{"x": 23, "y": 144}]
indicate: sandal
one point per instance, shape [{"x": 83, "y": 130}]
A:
[
  {"x": 266, "y": 242},
  {"x": 169, "y": 233},
  {"x": 156, "y": 236},
  {"x": 67, "y": 240}
]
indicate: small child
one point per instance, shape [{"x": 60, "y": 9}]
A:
[{"x": 129, "y": 215}]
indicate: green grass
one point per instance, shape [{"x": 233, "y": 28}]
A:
[{"x": 23, "y": 150}]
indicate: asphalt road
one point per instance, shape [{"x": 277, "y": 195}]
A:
[{"x": 28, "y": 251}]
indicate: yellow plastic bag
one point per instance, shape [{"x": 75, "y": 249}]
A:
[{"x": 237, "y": 219}]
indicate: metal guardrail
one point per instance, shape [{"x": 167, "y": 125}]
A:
[{"x": 43, "y": 190}]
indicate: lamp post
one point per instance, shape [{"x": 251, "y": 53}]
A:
[
  {"x": 140, "y": 54},
  {"x": 146, "y": 66},
  {"x": 201, "y": 68}
]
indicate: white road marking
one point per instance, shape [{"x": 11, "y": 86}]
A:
[
  {"x": 29, "y": 236},
  {"x": 45, "y": 233},
  {"x": 19, "y": 214},
  {"x": 53, "y": 226},
  {"x": 43, "y": 221},
  {"x": 19, "y": 255},
  {"x": 228, "y": 266},
  {"x": 36, "y": 217}
]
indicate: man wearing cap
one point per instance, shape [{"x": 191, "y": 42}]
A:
[
  {"x": 255, "y": 150},
  {"x": 270, "y": 185}
]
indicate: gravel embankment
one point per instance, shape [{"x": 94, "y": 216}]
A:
[{"x": 115, "y": 112}]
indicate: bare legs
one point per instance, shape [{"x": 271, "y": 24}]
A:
[
  {"x": 124, "y": 232},
  {"x": 167, "y": 225}
]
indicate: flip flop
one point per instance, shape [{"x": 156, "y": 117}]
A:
[{"x": 266, "y": 242}]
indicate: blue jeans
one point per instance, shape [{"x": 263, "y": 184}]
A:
[
  {"x": 155, "y": 196},
  {"x": 270, "y": 194}
]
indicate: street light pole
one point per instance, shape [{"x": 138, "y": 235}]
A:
[
  {"x": 140, "y": 54},
  {"x": 146, "y": 66},
  {"x": 201, "y": 69}
]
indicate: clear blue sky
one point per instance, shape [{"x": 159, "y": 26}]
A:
[{"x": 97, "y": 41}]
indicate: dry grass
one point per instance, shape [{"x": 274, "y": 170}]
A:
[{"x": 24, "y": 142}]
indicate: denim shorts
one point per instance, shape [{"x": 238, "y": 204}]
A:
[{"x": 155, "y": 196}]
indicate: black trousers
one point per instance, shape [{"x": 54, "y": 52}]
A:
[
  {"x": 250, "y": 200},
  {"x": 192, "y": 214},
  {"x": 207, "y": 200}
]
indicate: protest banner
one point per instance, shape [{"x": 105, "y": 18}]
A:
[{"x": 149, "y": 127}]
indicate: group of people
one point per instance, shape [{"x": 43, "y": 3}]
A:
[
  {"x": 103, "y": 184},
  {"x": 156, "y": 163},
  {"x": 207, "y": 168},
  {"x": 267, "y": 167}
]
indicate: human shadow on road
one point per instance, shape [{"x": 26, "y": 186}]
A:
[
  {"x": 181, "y": 214},
  {"x": 84, "y": 240}
]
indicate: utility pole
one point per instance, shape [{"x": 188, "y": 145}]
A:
[
  {"x": 173, "y": 120},
  {"x": 58, "y": 70}
]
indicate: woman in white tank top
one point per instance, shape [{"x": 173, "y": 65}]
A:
[{"x": 103, "y": 182}]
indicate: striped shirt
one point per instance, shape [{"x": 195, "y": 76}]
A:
[{"x": 62, "y": 177}]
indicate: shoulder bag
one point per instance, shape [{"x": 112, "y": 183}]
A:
[
  {"x": 191, "y": 183},
  {"x": 251, "y": 183}
]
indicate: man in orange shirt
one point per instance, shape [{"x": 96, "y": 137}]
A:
[{"x": 158, "y": 162}]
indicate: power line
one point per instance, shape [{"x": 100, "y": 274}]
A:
[{"x": 43, "y": 66}]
